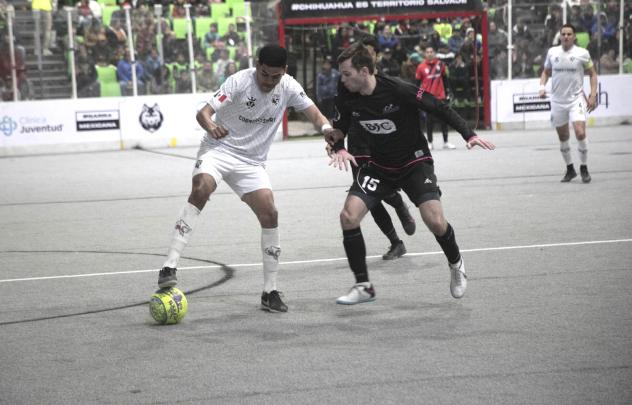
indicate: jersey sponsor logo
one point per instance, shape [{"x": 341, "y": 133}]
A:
[
  {"x": 260, "y": 120},
  {"x": 151, "y": 118},
  {"x": 428, "y": 181},
  {"x": 251, "y": 102},
  {"x": 391, "y": 108},
  {"x": 379, "y": 126}
]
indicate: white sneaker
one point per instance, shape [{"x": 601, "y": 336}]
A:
[
  {"x": 430, "y": 146},
  {"x": 458, "y": 279},
  {"x": 448, "y": 145},
  {"x": 361, "y": 292}
]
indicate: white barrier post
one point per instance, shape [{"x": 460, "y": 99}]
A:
[
  {"x": 187, "y": 8},
  {"x": 71, "y": 50}
]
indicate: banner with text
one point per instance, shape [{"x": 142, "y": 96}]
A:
[
  {"x": 517, "y": 104},
  {"x": 322, "y": 8}
]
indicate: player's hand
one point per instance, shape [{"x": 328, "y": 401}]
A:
[
  {"x": 483, "y": 143},
  {"x": 542, "y": 93},
  {"x": 329, "y": 149},
  {"x": 333, "y": 135},
  {"x": 592, "y": 103},
  {"x": 217, "y": 132},
  {"x": 339, "y": 160}
]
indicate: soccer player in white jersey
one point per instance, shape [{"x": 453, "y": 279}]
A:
[
  {"x": 248, "y": 110},
  {"x": 566, "y": 65}
]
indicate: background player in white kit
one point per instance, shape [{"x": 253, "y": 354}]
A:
[
  {"x": 566, "y": 64},
  {"x": 249, "y": 108}
]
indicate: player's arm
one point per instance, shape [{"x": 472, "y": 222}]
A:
[
  {"x": 592, "y": 98},
  {"x": 544, "y": 77},
  {"x": 204, "y": 118}
]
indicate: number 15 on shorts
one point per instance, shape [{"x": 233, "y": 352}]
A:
[{"x": 370, "y": 183}]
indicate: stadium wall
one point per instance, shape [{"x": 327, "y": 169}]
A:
[
  {"x": 516, "y": 104},
  {"x": 110, "y": 123}
]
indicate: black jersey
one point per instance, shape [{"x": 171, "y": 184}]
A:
[{"x": 388, "y": 121}]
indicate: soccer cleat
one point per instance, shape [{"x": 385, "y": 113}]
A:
[
  {"x": 448, "y": 145},
  {"x": 458, "y": 279},
  {"x": 570, "y": 174},
  {"x": 583, "y": 170},
  {"x": 396, "y": 250},
  {"x": 408, "y": 222},
  {"x": 272, "y": 302},
  {"x": 361, "y": 292},
  {"x": 167, "y": 277}
]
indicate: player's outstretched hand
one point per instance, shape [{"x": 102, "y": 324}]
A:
[
  {"x": 333, "y": 135},
  {"x": 592, "y": 103},
  {"x": 483, "y": 143},
  {"x": 339, "y": 160},
  {"x": 218, "y": 132}
]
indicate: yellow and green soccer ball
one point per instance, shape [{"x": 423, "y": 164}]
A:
[{"x": 168, "y": 306}]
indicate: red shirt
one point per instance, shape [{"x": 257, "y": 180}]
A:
[{"x": 431, "y": 75}]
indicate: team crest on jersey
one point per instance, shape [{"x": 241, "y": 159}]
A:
[
  {"x": 275, "y": 99},
  {"x": 355, "y": 114},
  {"x": 251, "y": 102},
  {"x": 391, "y": 108},
  {"x": 379, "y": 127},
  {"x": 150, "y": 118},
  {"x": 302, "y": 94}
]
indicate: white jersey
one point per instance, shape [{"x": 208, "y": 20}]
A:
[
  {"x": 251, "y": 116},
  {"x": 567, "y": 72}
]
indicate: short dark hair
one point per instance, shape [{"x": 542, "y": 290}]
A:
[
  {"x": 360, "y": 57},
  {"x": 568, "y": 25},
  {"x": 273, "y": 56}
]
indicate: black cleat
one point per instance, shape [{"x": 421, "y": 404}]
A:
[
  {"x": 408, "y": 222},
  {"x": 583, "y": 170},
  {"x": 272, "y": 302},
  {"x": 570, "y": 174},
  {"x": 396, "y": 250},
  {"x": 167, "y": 277}
]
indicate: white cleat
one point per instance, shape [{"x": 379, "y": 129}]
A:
[
  {"x": 458, "y": 279},
  {"x": 448, "y": 145},
  {"x": 361, "y": 292}
]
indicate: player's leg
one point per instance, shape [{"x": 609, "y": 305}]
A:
[
  {"x": 396, "y": 201},
  {"x": 384, "y": 222},
  {"x": 578, "y": 119},
  {"x": 444, "y": 132},
  {"x": 203, "y": 184},
  {"x": 559, "y": 118},
  {"x": 421, "y": 187},
  {"x": 252, "y": 184},
  {"x": 350, "y": 218},
  {"x": 432, "y": 215},
  {"x": 262, "y": 204}
]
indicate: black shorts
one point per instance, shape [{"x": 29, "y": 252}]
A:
[{"x": 373, "y": 184}]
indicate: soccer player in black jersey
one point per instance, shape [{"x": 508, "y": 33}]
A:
[
  {"x": 358, "y": 148},
  {"x": 386, "y": 110}
]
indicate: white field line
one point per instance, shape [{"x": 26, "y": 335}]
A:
[{"x": 488, "y": 249}]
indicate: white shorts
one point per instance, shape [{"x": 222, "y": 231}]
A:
[
  {"x": 242, "y": 177},
  {"x": 561, "y": 114}
]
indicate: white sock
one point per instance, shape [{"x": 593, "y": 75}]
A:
[
  {"x": 271, "y": 250},
  {"x": 565, "y": 148},
  {"x": 582, "y": 148},
  {"x": 187, "y": 220}
]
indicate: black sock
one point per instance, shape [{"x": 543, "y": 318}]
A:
[
  {"x": 384, "y": 222},
  {"x": 394, "y": 200},
  {"x": 353, "y": 242},
  {"x": 449, "y": 246}
]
